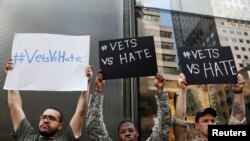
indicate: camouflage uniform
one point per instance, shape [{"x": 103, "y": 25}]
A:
[
  {"x": 197, "y": 138},
  {"x": 97, "y": 130},
  {"x": 183, "y": 128}
]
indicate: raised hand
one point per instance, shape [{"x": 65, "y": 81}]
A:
[
  {"x": 89, "y": 73},
  {"x": 238, "y": 87},
  {"x": 99, "y": 82},
  {"x": 159, "y": 82},
  {"x": 182, "y": 82},
  {"x": 8, "y": 66}
]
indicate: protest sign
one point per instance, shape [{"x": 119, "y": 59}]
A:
[
  {"x": 208, "y": 65},
  {"x": 48, "y": 62},
  {"x": 130, "y": 57}
]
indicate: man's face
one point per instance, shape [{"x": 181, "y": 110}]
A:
[
  {"x": 203, "y": 123},
  {"x": 127, "y": 132},
  {"x": 50, "y": 124}
]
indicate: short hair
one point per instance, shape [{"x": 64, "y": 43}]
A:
[
  {"x": 60, "y": 112},
  {"x": 125, "y": 121}
]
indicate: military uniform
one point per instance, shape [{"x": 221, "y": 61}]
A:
[{"x": 97, "y": 130}]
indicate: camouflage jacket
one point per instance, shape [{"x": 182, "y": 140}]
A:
[
  {"x": 97, "y": 130},
  {"x": 197, "y": 138}
]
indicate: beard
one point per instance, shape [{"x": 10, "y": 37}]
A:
[{"x": 48, "y": 133}]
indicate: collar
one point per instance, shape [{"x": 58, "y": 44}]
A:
[
  {"x": 199, "y": 138},
  {"x": 46, "y": 138}
]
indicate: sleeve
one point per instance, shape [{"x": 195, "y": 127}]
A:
[
  {"x": 181, "y": 129},
  {"x": 24, "y": 131},
  {"x": 68, "y": 135},
  {"x": 96, "y": 128},
  {"x": 160, "y": 131}
]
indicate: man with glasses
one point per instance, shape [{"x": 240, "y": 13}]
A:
[{"x": 51, "y": 121}]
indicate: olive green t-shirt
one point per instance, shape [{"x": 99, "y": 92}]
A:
[{"x": 25, "y": 132}]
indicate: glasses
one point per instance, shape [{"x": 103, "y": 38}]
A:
[{"x": 49, "y": 118}]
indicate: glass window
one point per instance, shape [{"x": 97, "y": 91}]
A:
[
  {"x": 240, "y": 24},
  {"x": 231, "y": 32},
  {"x": 166, "y": 45},
  {"x": 241, "y": 65},
  {"x": 238, "y": 56},
  {"x": 207, "y": 39},
  {"x": 165, "y": 34},
  {"x": 167, "y": 57},
  {"x": 241, "y": 40},
  {"x": 170, "y": 70},
  {"x": 214, "y": 43},
  {"x": 233, "y": 24},
  {"x": 212, "y": 35},
  {"x": 151, "y": 18},
  {"x": 243, "y": 48},
  {"x": 234, "y": 40},
  {"x": 236, "y": 48}
]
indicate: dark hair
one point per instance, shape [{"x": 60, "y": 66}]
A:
[
  {"x": 125, "y": 121},
  {"x": 60, "y": 112}
]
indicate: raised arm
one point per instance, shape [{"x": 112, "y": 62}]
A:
[
  {"x": 180, "y": 125},
  {"x": 238, "y": 107},
  {"x": 78, "y": 118},
  {"x": 95, "y": 124},
  {"x": 181, "y": 100},
  {"x": 163, "y": 122},
  {"x": 14, "y": 102}
]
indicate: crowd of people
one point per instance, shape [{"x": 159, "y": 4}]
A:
[{"x": 91, "y": 105}]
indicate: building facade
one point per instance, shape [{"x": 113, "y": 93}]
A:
[{"x": 172, "y": 23}]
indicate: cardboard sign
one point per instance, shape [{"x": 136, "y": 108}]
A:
[
  {"x": 48, "y": 62},
  {"x": 131, "y": 57},
  {"x": 207, "y": 65}
]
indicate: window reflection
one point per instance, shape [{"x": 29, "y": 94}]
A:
[{"x": 173, "y": 29}]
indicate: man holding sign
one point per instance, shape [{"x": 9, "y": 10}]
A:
[
  {"x": 207, "y": 116},
  {"x": 51, "y": 121},
  {"x": 126, "y": 129}
]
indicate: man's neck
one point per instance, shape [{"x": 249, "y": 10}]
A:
[{"x": 46, "y": 138}]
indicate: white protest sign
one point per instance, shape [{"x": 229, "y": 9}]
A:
[{"x": 48, "y": 62}]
